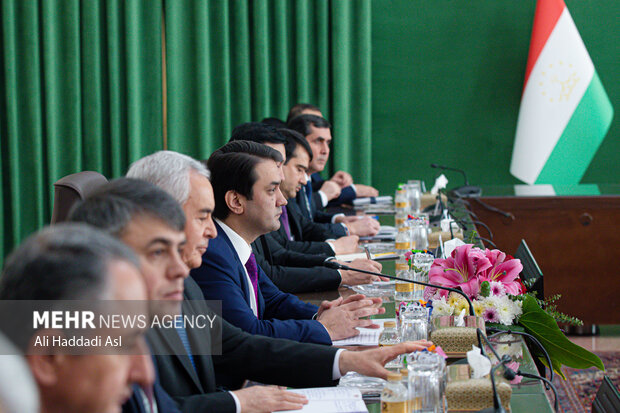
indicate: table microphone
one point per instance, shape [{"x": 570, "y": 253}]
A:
[
  {"x": 465, "y": 191},
  {"x": 330, "y": 263}
]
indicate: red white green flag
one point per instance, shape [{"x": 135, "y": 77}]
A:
[{"x": 565, "y": 112}]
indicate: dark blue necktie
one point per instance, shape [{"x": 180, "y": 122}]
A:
[{"x": 178, "y": 325}]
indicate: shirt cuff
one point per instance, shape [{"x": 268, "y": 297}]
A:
[
  {"x": 336, "y": 369},
  {"x": 354, "y": 188},
  {"x": 238, "y": 403},
  {"x": 323, "y": 198},
  {"x": 331, "y": 246},
  {"x": 336, "y": 216}
]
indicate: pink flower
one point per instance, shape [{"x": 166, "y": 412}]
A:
[
  {"x": 461, "y": 270},
  {"x": 490, "y": 315},
  {"x": 502, "y": 270}
]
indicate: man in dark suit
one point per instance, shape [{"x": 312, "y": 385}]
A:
[
  {"x": 146, "y": 220},
  {"x": 246, "y": 180},
  {"x": 77, "y": 262},
  {"x": 339, "y": 189}
]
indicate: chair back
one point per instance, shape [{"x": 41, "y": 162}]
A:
[
  {"x": 72, "y": 188},
  {"x": 531, "y": 271},
  {"x": 607, "y": 398}
]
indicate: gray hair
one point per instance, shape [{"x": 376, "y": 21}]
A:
[{"x": 168, "y": 170}]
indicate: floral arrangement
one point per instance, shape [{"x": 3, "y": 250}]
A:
[{"x": 491, "y": 280}]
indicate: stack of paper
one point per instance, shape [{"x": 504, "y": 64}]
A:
[
  {"x": 366, "y": 337},
  {"x": 373, "y": 200},
  {"x": 332, "y": 400}
]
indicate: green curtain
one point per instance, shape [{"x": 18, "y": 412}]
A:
[
  {"x": 81, "y": 86},
  {"x": 236, "y": 61}
]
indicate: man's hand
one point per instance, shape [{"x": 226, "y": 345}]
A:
[
  {"x": 331, "y": 190},
  {"x": 340, "y": 320},
  {"x": 363, "y": 191},
  {"x": 342, "y": 178},
  {"x": 354, "y": 278},
  {"x": 258, "y": 399},
  {"x": 363, "y": 227},
  {"x": 345, "y": 245},
  {"x": 371, "y": 362},
  {"x": 343, "y": 219}
]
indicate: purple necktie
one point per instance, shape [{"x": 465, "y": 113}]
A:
[
  {"x": 287, "y": 226},
  {"x": 252, "y": 268}
]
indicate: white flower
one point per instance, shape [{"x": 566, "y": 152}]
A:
[
  {"x": 441, "y": 307},
  {"x": 508, "y": 310},
  {"x": 497, "y": 289}
]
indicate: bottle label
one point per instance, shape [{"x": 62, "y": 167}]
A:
[
  {"x": 404, "y": 287},
  {"x": 403, "y": 245},
  {"x": 393, "y": 407},
  {"x": 400, "y": 221},
  {"x": 401, "y": 266},
  {"x": 417, "y": 287},
  {"x": 401, "y": 204}
]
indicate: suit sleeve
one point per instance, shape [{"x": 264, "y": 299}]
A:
[
  {"x": 299, "y": 279},
  {"x": 347, "y": 195},
  {"x": 292, "y": 250},
  {"x": 285, "y": 315},
  {"x": 280, "y": 360}
]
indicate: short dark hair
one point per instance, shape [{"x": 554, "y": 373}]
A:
[
  {"x": 275, "y": 122},
  {"x": 302, "y": 123},
  {"x": 233, "y": 168},
  {"x": 298, "y": 108},
  {"x": 67, "y": 261},
  {"x": 293, "y": 140},
  {"x": 257, "y": 132},
  {"x": 114, "y": 205}
]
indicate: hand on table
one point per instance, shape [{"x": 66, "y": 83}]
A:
[
  {"x": 341, "y": 316},
  {"x": 363, "y": 191},
  {"x": 259, "y": 399},
  {"x": 371, "y": 362},
  {"x": 363, "y": 227},
  {"x": 345, "y": 245},
  {"x": 355, "y": 278}
]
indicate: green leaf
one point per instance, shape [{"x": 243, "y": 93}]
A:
[
  {"x": 561, "y": 350},
  {"x": 503, "y": 327}
]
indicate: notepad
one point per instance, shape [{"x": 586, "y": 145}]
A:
[
  {"x": 366, "y": 337},
  {"x": 332, "y": 400}
]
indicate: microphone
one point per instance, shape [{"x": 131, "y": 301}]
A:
[
  {"x": 465, "y": 191},
  {"x": 330, "y": 263}
]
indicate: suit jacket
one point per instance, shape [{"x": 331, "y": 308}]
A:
[
  {"x": 165, "y": 404},
  {"x": 347, "y": 194},
  {"x": 222, "y": 277},
  {"x": 315, "y": 235},
  {"x": 308, "y": 206},
  {"x": 292, "y": 279},
  {"x": 238, "y": 356}
]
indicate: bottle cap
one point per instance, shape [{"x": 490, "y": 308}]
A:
[
  {"x": 394, "y": 377},
  {"x": 389, "y": 324}
]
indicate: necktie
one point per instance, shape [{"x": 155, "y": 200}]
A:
[
  {"x": 252, "y": 268},
  {"x": 286, "y": 224},
  {"x": 178, "y": 324},
  {"x": 305, "y": 202}
]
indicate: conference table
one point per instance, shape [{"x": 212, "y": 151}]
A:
[{"x": 528, "y": 396}]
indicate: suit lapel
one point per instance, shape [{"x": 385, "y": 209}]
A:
[
  {"x": 294, "y": 221},
  {"x": 241, "y": 274}
]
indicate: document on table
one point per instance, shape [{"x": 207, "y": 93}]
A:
[
  {"x": 332, "y": 400},
  {"x": 386, "y": 199},
  {"x": 378, "y": 256},
  {"x": 366, "y": 337}
]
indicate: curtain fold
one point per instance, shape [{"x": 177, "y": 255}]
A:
[
  {"x": 81, "y": 90},
  {"x": 235, "y": 61}
]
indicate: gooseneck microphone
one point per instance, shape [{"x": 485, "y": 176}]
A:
[
  {"x": 465, "y": 191},
  {"x": 330, "y": 263}
]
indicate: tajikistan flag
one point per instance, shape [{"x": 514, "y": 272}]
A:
[{"x": 565, "y": 112}]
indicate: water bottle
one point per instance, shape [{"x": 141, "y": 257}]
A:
[
  {"x": 394, "y": 395},
  {"x": 421, "y": 265},
  {"x": 401, "y": 202},
  {"x": 389, "y": 337},
  {"x": 403, "y": 291}
]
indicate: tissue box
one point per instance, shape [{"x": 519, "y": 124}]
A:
[
  {"x": 466, "y": 394},
  {"x": 456, "y": 341}
]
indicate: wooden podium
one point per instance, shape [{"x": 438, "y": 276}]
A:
[{"x": 574, "y": 239}]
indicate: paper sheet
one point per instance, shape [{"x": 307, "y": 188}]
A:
[
  {"x": 366, "y": 337},
  {"x": 378, "y": 256},
  {"x": 332, "y": 400}
]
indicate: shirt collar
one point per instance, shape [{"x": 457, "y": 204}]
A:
[{"x": 242, "y": 248}]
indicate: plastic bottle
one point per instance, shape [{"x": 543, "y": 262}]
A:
[
  {"x": 394, "y": 395},
  {"x": 389, "y": 337},
  {"x": 401, "y": 202}
]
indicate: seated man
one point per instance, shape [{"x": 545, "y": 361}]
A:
[
  {"x": 148, "y": 219},
  {"x": 268, "y": 135},
  {"x": 77, "y": 262},
  {"x": 339, "y": 189},
  {"x": 248, "y": 202}
]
